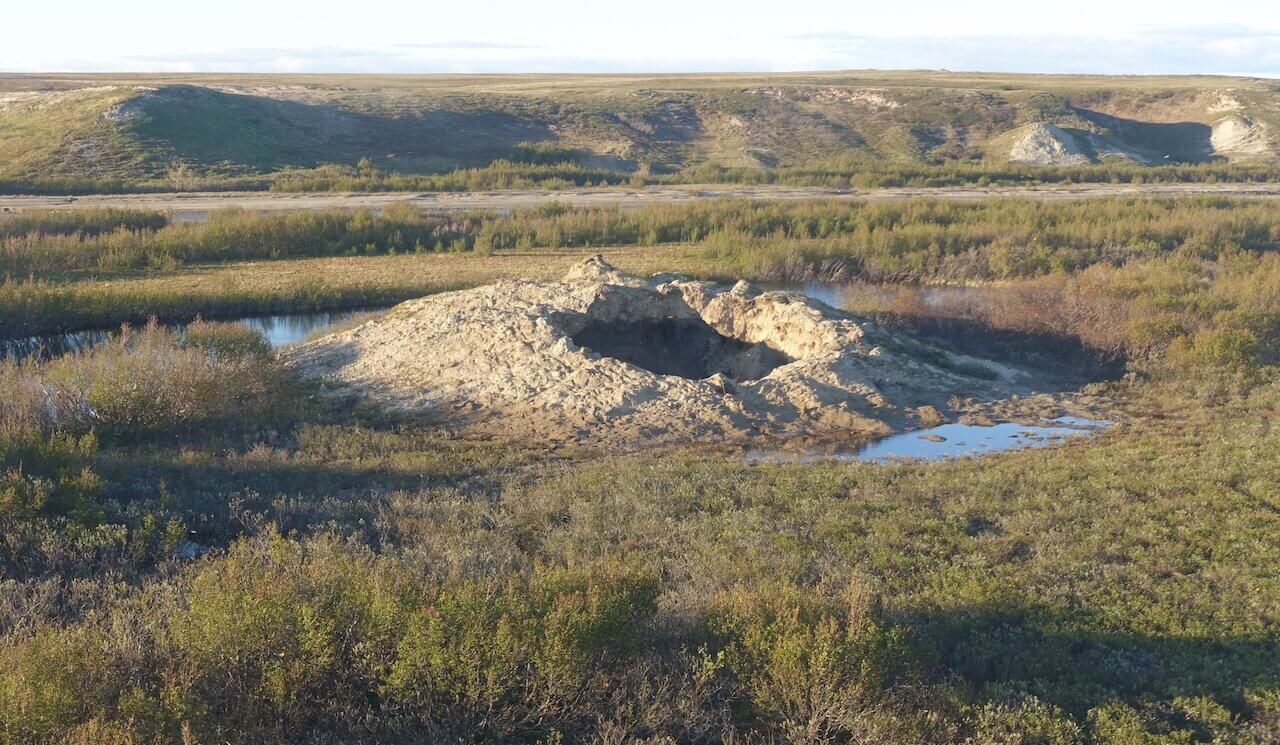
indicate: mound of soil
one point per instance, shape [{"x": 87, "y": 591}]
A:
[{"x": 604, "y": 357}]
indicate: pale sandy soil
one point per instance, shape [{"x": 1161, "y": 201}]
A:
[{"x": 696, "y": 362}]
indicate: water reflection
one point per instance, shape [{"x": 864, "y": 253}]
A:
[
  {"x": 867, "y": 296},
  {"x": 948, "y": 441},
  {"x": 280, "y": 330}
]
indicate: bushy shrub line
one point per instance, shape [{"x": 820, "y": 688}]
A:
[
  {"x": 281, "y": 639},
  {"x": 144, "y": 384},
  {"x": 912, "y": 240}
]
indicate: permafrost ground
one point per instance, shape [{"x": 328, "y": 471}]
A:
[{"x": 606, "y": 358}]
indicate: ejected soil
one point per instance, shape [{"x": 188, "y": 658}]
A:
[{"x": 606, "y": 358}]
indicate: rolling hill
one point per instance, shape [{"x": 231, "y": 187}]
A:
[{"x": 136, "y": 128}]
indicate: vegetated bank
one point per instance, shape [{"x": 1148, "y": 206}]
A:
[
  {"x": 916, "y": 240},
  {"x": 504, "y": 174},
  {"x": 844, "y": 129}
]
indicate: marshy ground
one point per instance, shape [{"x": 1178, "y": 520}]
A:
[{"x": 195, "y": 543}]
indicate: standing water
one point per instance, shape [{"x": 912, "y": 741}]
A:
[
  {"x": 949, "y": 441},
  {"x": 279, "y": 330}
]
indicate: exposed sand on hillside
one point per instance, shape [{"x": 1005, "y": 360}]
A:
[
  {"x": 1238, "y": 136},
  {"x": 1047, "y": 144}
]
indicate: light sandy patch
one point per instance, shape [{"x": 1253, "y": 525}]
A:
[
  {"x": 1238, "y": 136},
  {"x": 1047, "y": 144}
]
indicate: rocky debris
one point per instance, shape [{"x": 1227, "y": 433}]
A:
[
  {"x": 1047, "y": 144},
  {"x": 131, "y": 108},
  {"x": 1236, "y": 136},
  {"x": 873, "y": 98},
  {"x": 606, "y": 358}
]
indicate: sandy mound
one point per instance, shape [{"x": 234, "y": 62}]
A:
[
  {"x": 603, "y": 357},
  {"x": 1047, "y": 144},
  {"x": 1238, "y": 136}
]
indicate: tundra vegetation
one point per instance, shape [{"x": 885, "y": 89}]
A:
[{"x": 195, "y": 546}]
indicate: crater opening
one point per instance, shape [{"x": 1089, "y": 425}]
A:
[{"x": 688, "y": 348}]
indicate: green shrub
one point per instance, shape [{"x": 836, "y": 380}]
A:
[
  {"x": 227, "y": 341},
  {"x": 283, "y": 635},
  {"x": 280, "y": 640},
  {"x": 502, "y": 659},
  {"x": 813, "y": 668},
  {"x": 148, "y": 383},
  {"x": 55, "y": 681},
  {"x": 1028, "y": 722},
  {"x": 1223, "y": 349}
]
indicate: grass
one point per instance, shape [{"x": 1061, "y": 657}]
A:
[{"x": 196, "y": 547}]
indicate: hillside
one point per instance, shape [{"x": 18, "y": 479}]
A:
[{"x": 136, "y": 128}]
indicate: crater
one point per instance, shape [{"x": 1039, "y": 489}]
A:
[
  {"x": 687, "y": 348},
  {"x": 610, "y": 359}
]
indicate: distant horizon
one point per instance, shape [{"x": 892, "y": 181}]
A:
[{"x": 630, "y": 73}]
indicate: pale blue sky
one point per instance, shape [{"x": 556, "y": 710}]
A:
[{"x": 1182, "y": 36}]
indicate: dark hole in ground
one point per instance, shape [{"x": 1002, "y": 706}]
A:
[
  {"x": 688, "y": 348},
  {"x": 1059, "y": 357}
]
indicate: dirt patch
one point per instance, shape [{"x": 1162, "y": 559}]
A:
[{"x": 606, "y": 358}]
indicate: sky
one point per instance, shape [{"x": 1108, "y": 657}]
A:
[{"x": 404, "y": 36}]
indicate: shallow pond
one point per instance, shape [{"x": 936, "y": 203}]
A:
[
  {"x": 947, "y": 441},
  {"x": 280, "y": 330}
]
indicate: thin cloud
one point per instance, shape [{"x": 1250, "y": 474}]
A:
[
  {"x": 1207, "y": 49},
  {"x": 463, "y": 44},
  {"x": 1225, "y": 49}
]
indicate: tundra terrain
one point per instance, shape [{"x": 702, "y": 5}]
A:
[{"x": 180, "y": 130}]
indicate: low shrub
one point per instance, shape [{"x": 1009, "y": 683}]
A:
[
  {"x": 1234, "y": 350},
  {"x": 151, "y": 382},
  {"x": 501, "y": 660},
  {"x": 810, "y": 667},
  {"x": 279, "y": 640},
  {"x": 44, "y": 448}
]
